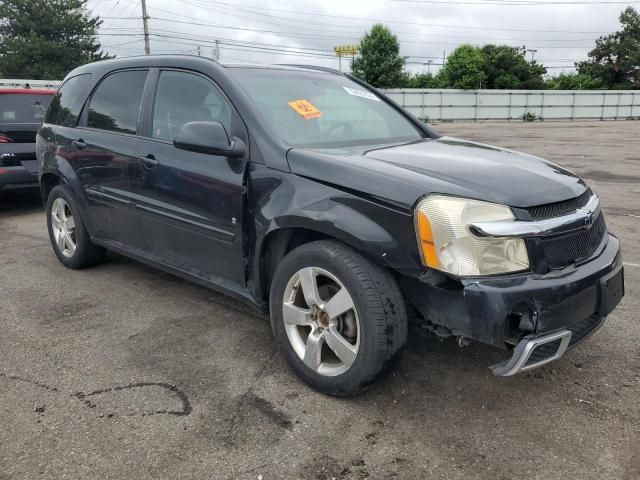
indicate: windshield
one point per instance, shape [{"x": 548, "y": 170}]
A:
[
  {"x": 322, "y": 110},
  {"x": 23, "y": 107}
]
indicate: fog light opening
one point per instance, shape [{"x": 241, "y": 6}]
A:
[{"x": 521, "y": 321}]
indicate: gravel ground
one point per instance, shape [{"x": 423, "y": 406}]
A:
[{"x": 121, "y": 371}]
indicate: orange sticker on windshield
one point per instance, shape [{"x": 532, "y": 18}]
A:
[{"x": 305, "y": 108}]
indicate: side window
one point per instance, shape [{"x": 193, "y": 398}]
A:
[
  {"x": 185, "y": 97},
  {"x": 116, "y": 102},
  {"x": 67, "y": 102}
]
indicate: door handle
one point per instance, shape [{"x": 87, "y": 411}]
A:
[
  {"x": 79, "y": 144},
  {"x": 149, "y": 161}
]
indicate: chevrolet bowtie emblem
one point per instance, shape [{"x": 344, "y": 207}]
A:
[{"x": 588, "y": 215}]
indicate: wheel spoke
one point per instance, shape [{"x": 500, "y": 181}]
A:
[
  {"x": 343, "y": 349},
  {"x": 55, "y": 220},
  {"x": 55, "y": 213},
  {"x": 341, "y": 302},
  {"x": 313, "y": 350},
  {"x": 295, "y": 315},
  {"x": 68, "y": 241},
  {"x": 60, "y": 240},
  {"x": 70, "y": 224},
  {"x": 62, "y": 213},
  {"x": 309, "y": 286}
]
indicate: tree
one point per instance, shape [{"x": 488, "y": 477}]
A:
[
  {"x": 379, "y": 62},
  {"x": 464, "y": 69},
  {"x": 506, "y": 67},
  {"x": 45, "y": 39},
  {"x": 575, "y": 81},
  {"x": 419, "y": 80},
  {"x": 616, "y": 58}
]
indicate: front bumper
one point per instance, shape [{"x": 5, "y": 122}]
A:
[{"x": 574, "y": 300}]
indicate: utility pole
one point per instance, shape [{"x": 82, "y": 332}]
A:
[
  {"x": 216, "y": 51},
  {"x": 429, "y": 62},
  {"x": 145, "y": 25},
  {"x": 198, "y": 50},
  {"x": 444, "y": 58},
  {"x": 533, "y": 52}
]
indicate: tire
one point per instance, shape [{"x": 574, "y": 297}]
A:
[
  {"x": 378, "y": 315},
  {"x": 67, "y": 232}
]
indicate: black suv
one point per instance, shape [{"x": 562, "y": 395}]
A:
[{"x": 314, "y": 197}]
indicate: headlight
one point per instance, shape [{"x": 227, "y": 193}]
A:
[{"x": 447, "y": 243}]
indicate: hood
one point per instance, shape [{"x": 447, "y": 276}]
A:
[{"x": 401, "y": 174}]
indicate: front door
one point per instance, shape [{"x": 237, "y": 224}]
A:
[{"x": 190, "y": 204}]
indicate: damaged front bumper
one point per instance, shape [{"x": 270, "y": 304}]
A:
[{"x": 537, "y": 316}]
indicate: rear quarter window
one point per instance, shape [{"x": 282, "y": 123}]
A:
[{"x": 67, "y": 104}]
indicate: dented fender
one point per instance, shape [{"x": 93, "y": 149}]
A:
[{"x": 280, "y": 200}]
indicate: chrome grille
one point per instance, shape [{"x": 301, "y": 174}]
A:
[
  {"x": 565, "y": 249},
  {"x": 558, "y": 209}
]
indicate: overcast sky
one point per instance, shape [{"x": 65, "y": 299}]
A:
[{"x": 305, "y": 31}]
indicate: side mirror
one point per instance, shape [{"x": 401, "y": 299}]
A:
[{"x": 208, "y": 137}]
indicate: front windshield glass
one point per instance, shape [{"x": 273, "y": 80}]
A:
[{"x": 321, "y": 110}]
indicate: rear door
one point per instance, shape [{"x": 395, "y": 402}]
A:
[
  {"x": 101, "y": 152},
  {"x": 190, "y": 203}
]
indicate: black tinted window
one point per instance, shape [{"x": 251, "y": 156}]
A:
[
  {"x": 184, "y": 97},
  {"x": 67, "y": 103},
  {"x": 116, "y": 102}
]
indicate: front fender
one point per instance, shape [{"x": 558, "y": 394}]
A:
[{"x": 281, "y": 200}]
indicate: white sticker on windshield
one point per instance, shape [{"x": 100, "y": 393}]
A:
[{"x": 361, "y": 93}]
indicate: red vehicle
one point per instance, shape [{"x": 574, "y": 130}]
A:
[{"x": 21, "y": 113}]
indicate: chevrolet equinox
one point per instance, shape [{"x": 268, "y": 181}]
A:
[{"x": 315, "y": 198}]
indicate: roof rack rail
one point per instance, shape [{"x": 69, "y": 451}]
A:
[{"x": 312, "y": 67}]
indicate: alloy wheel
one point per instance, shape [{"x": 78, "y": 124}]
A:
[
  {"x": 321, "y": 321},
  {"x": 63, "y": 227}
]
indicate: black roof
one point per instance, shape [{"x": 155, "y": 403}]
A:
[{"x": 185, "y": 61}]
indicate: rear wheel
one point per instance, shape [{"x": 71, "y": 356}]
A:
[
  {"x": 339, "y": 319},
  {"x": 67, "y": 233}
]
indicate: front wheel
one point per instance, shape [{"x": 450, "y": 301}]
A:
[{"x": 339, "y": 319}]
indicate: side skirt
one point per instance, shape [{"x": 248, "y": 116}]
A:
[{"x": 216, "y": 283}]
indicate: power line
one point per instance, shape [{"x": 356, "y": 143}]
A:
[
  {"x": 275, "y": 51},
  {"x": 297, "y": 51},
  {"x": 318, "y": 36},
  {"x": 358, "y": 30},
  {"x": 385, "y": 20},
  {"x": 526, "y": 3},
  {"x": 214, "y": 38}
]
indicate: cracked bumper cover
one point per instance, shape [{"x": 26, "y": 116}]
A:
[{"x": 479, "y": 308}]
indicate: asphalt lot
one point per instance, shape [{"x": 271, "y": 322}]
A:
[{"x": 124, "y": 372}]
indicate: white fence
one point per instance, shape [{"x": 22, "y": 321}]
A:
[
  {"x": 449, "y": 105},
  {"x": 485, "y": 105}
]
